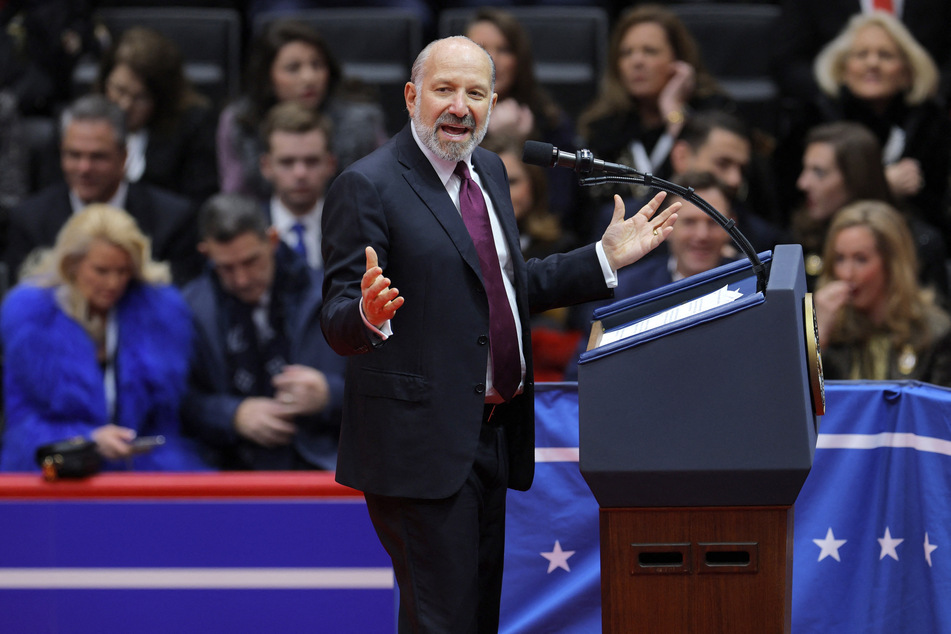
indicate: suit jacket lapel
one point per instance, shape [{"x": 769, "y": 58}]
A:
[
  {"x": 50, "y": 220},
  {"x": 139, "y": 206},
  {"x": 422, "y": 178}
]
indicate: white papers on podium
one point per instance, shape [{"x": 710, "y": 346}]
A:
[{"x": 684, "y": 311}]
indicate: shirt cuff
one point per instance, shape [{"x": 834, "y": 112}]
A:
[
  {"x": 385, "y": 331},
  {"x": 610, "y": 275}
]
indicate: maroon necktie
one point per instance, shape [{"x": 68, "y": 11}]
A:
[{"x": 503, "y": 340}]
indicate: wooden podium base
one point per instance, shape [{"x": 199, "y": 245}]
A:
[{"x": 696, "y": 570}]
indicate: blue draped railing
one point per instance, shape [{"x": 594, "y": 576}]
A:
[{"x": 236, "y": 553}]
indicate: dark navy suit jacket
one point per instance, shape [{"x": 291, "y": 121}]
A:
[
  {"x": 210, "y": 404},
  {"x": 166, "y": 218},
  {"x": 414, "y": 402}
]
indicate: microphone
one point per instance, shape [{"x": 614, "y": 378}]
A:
[{"x": 582, "y": 161}]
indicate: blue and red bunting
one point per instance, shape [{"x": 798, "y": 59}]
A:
[{"x": 872, "y": 522}]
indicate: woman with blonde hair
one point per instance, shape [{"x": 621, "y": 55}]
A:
[
  {"x": 875, "y": 321},
  {"x": 96, "y": 345},
  {"x": 876, "y": 74}
]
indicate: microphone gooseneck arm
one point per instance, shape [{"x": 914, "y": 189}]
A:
[
  {"x": 583, "y": 162},
  {"x": 688, "y": 194}
]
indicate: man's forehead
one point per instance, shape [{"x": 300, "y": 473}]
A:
[
  {"x": 91, "y": 129},
  {"x": 720, "y": 140},
  {"x": 309, "y": 141},
  {"x": 454, "y": 58},
  {"x": 248, "y": 242},
  {"x": 306, "y": 137}
]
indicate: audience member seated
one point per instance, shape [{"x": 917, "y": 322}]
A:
[
  {"x": 876, "y": 74},
  {"x": 171, "y": 127},
  {"x": 265, "y": 389},
  {"x": 718, "y": 142},
  {"x": 653, "y": 78},
  {"x": 298, "y": 162},
  {"x": 540, "y": 231},
  {"x": 93, "y": 154},
  {"x": 875, "y": 321},
  {"x": 842, "y": 164},
  {"x": 696, "y": 244},
  {"x": 524, "y": 109},
  {"x": 96, "y": 345},
  {"x": 808, "y": 25},
  {"x": 289, "y": 60}
]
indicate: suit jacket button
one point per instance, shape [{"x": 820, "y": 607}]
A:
[
  {"x": 480, "y": 388},
  {"x": 483, "y": 340}
]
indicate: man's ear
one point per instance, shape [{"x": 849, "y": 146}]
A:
[
  {"x": 409, "y": 94},
  {"x": 203, "y": 247},
  {"x": 680, "y": 157}
]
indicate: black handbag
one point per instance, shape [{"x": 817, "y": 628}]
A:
[{"x": 73, "y": 458}]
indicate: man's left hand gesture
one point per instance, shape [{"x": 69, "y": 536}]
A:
[{"x": 627, "y": 241}]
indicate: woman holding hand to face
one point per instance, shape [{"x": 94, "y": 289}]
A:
[
  {"x": 654, "y": 78},
  {"x": 875, "y": 321}
]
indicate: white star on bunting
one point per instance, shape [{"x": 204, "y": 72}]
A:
[
  {"x": 830, "y": 546},
  {"x": 888, "y": 545},
  {"x": 558, "y": 558},
  {"x": 929, "y": 548}
]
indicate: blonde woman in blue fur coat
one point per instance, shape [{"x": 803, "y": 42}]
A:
[{"x": 96, "y": 344}]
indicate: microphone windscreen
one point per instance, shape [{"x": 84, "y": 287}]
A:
[{"x": 538, "y": 153}]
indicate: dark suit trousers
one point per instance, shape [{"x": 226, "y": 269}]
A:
[{"x": 447, "y": 554}]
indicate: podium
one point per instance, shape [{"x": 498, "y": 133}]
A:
[{"x": 697, "y": 431}]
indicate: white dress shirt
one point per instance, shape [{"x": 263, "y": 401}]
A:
[
  {"x": 283, "y": 220},
  {"x": 445, "y": 170},
  {"x": 117, "y": 200}
]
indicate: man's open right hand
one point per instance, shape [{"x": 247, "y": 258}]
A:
[{"x": 380, "y": 301}]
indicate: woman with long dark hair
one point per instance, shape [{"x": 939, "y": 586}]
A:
[
  {"x": 171, "y": 127},
  {"x": 290, "y": 61}
]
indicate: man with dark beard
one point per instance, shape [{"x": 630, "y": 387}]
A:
[{"x": 438, "y": 417}]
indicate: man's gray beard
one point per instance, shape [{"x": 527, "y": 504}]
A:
[{"x": 450, "y": 150}]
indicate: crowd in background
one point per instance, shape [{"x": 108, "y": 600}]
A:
[{"x": 161, "y": 247}]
